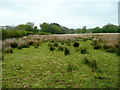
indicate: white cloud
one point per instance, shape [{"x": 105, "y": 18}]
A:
[
  {"x": 64, "y": 12},
  {"x": 59, "y": 0}
]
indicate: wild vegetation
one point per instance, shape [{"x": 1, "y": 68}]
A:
[
  {"x": 53, "y": 28},
  {"x": 55, "y": 56},
  {"x": 61, "y": 61}
]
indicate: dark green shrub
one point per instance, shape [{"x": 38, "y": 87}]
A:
[
  {"x": 76, "y": 44},
  {"x": 60, "y": 48},
  {"x": 66, "y": 51},
  {"x": 13, "y": 33}
]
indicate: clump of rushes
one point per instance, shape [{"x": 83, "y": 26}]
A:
[
  {"x": 19, "y": 47},
  {"x": 36, "y": 44},
  {"x": 14, "y": 44},
  {"x": 66, "y": 51},
  {"x": 76, "y": 44},
  {"x": 30, "y": 42},
  {"x": 55, "y": 44},
  {"x": 62, "y": 43},
  {"x": 60, "y": 48},
  {"x": 52, "y": 41},
  {"x": 69, "y": 68},
  {"x": 25, "y": 45},
  {"x": 83, "y": 50},
  {"x": 51, "y": 46},
  {"x": 8, "y": 50},
  {"x": 68, "y": 43},
  {"x": 91, "y": 63},
  {"x": 97, "y": 44}
]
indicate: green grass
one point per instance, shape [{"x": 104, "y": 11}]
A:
[{"x": 42, "y": 68}]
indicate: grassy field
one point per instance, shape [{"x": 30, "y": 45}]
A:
[{"x": 42, "y": 68}]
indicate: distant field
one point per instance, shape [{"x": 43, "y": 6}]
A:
[{"x": 38, "y": 67}]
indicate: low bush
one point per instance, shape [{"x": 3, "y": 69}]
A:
[
  {"x": 76, "y": 44},
  {"x": 13, "y": 33}
]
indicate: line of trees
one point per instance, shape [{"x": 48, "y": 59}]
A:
[{"x": 55, "y": 28}]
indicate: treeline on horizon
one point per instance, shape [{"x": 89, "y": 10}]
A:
[{"x": 53, "y": 28}]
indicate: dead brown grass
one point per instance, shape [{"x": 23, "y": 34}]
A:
[{"x": 109, "y": 39}]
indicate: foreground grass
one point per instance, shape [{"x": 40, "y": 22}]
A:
[{"x": 41, "y": 68}]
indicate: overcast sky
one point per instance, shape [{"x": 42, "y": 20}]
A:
[{"x": 69, "y": 13}]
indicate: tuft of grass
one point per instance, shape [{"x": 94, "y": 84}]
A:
[
  {"x": 60, "y": 48},
  {"x": 91, "y": 63},
  {"x": 66, "y": 51},
  {"x": 70, "y": 68},
  {"x": 97, "y": 44},
  {"x": 8, "y": 50},
  {"x": 51, "y": 47},
  {"x": 76, "y": 44},
  {"x": 56, "y": 44},
  {"x": 14, "y": 44}
]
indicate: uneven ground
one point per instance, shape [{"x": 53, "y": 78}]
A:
[{"x": 42, "y": 68}]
